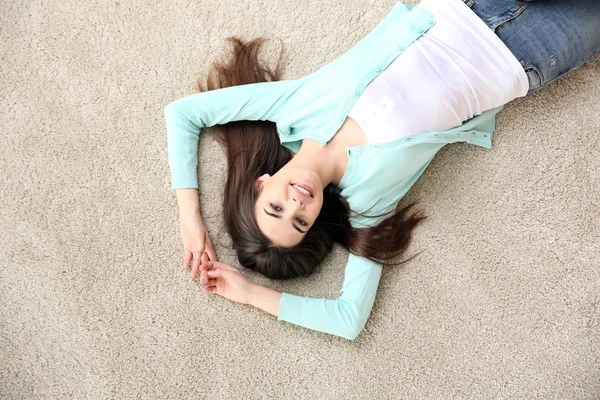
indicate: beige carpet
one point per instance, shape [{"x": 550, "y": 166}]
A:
[{"x": 94, "y": 303}]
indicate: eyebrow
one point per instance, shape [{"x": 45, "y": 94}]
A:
[{"x": 279, "y": 217}]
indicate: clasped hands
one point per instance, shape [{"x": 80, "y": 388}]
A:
[
  {"x": 216, "y": 277},
  {"x": 224, "y": 280}
]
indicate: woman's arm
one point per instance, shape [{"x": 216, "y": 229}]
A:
[
  {"x": 345, "y": 316},
  {"x": 188, "y": 200},
  {"x": 265, "y": 298},
  {"x": 185, "y": 117}
]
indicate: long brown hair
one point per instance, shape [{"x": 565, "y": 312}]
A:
[{"x": 253, "y": 149}]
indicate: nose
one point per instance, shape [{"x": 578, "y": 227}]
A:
[{"x": 297, "y": 203}]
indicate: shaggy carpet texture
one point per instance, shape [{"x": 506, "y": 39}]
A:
[{"x": 503, "y": 303}]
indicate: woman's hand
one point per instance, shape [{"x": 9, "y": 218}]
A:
[
  {"x": 196, "y": 243},
  {"x": 226, "y": 281}
]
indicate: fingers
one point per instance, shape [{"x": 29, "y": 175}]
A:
[
  {"x": 212, "y": 289},
  {"x": 216, "y": 273},
  {"x": 187, "y": 258},
  {"x": 196, "y": 264},
  {"x": 211, "y": 254},
  {"x": 204, "y": 258},
  {"x": 227, "y": 267},
  {"x": 216, "y": 265},
  {"x": 205, "y": 266},
  {"x": 209, "y": 282},
  {"x": 203, "y": 278}
]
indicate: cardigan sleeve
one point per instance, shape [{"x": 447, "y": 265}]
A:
[
  {"x": 345, "y": 316},
  {"x": 185, "y": 117}
]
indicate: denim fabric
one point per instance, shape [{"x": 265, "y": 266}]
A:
[{"x": 549, "y": 37}]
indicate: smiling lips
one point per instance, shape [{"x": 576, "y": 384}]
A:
[{"x": 303, "y": 190}]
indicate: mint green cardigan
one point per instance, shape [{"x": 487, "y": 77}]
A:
[{"x": 315, "y": 106}]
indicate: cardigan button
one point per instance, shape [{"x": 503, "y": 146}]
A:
[
  {"x": 378, "y": 69},
  {"x": 341, "y": 118},
  {"x": 356, "y": 92},
  {"x": 400, "y": 47}
]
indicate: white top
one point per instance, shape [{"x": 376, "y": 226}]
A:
[{"x": 458, "y": 69}]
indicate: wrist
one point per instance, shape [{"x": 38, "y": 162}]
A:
[
  {"x": 250, "y": 298},
  {"x": 189, "y": 201},
  {"x": 189, "y": 212},
  {"x": 264, "y": 298}
]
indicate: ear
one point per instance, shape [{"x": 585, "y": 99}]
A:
[{"x": 261, "y": 179}]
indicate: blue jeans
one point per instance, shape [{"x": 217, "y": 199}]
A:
[{"x": 549, "y": 37}]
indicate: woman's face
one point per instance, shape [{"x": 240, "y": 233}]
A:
[{"x": 288, "y": 204}]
